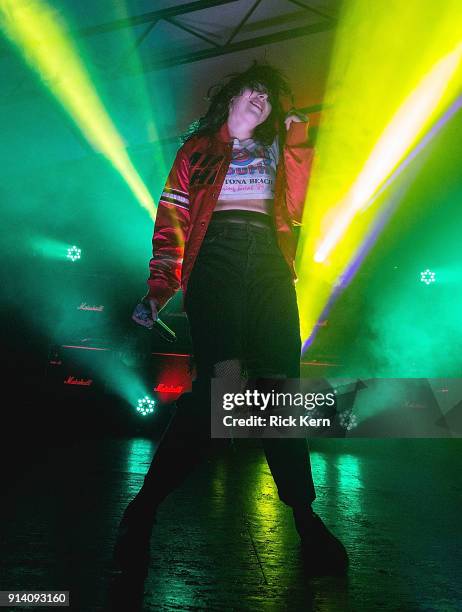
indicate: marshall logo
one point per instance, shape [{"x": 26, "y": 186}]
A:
[
  {"x": 83, "y": 382},
  {"x": 161, "y": 388},
  {"x": 85, "y": 306}
]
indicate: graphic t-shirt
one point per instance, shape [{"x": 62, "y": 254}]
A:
[{"x": 252, "y": 171}]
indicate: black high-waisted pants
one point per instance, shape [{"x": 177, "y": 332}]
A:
[{"x": 241, "y": 305}]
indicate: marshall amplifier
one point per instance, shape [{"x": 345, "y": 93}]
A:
[
  {"x": 74, "y": 368},
  {"x": 89, "y": 370},
  {"x": 88, "y": 308}
]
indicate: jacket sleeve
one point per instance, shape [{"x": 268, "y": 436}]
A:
[
  {"x": 170, "y": 230},
  {"x": 298, "y": 159}
]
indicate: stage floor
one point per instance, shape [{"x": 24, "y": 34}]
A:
[{"x": 224, "y": 541}]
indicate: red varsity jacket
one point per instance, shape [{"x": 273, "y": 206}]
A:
[{"x": 190, "y": 195}]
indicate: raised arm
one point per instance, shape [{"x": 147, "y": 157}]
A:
[{"x": 298, "y": 159}]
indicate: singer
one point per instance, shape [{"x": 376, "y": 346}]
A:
[{"x": 225, "y": 232}]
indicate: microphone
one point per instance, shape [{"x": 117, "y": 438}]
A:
[{"x": 143, "y": 316}]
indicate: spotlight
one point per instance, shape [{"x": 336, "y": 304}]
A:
[
  {"x": 73, "y": 253},
  {"x": 348, "y": 421},
  {"x": 42, "y": 38},
  {"x": 351, "y": 197},
  {"x": 145, "y": 406},
  {"x": 427, "y": 277}
]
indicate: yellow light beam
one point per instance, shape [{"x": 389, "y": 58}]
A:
[
  {"x": 395, "y": 69},
  {"x": 397, "y": 139},
  {"x": 38, "y": 33}
]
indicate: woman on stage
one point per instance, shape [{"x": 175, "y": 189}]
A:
[{"x": 225, "y": 232}]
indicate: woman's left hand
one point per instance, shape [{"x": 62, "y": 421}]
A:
[{"x": 296, "y": 117}]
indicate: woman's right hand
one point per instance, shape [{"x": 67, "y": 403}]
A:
[{"x": 145, "y": 312}]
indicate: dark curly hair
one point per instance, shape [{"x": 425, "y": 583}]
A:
[{"x": 261, "y": 77}]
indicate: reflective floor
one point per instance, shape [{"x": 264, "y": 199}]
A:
[{"x": 224, "y": 541}]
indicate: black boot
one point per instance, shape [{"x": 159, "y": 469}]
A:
[
  {"x": 131, "y": 551},
  {"x": 322, "y": 552},
  {"x": 181, "y": 448}
]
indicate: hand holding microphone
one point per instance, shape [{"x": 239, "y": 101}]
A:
[{"x": 146, "y": 314}]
